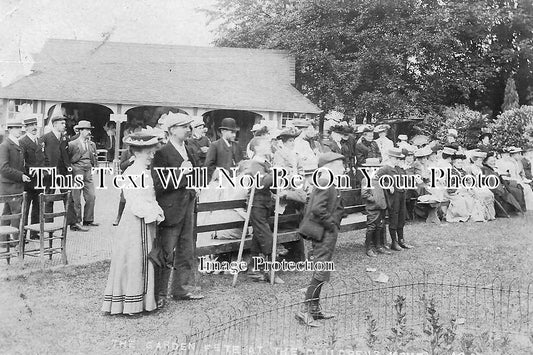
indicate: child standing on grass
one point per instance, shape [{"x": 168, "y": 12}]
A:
[
  {"x": 321, "y": 224},
  {"x": 395, "y": 197},
  {"x": 376, "y": 208}
]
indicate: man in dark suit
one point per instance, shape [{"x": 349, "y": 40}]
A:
[
  {"x": 198, "y": 143},
  {"x": 55, "y": 147},
  {"x": 12, "y": 173},
  {"x": 224, "y": 152},
  {"x": 325, "y": 209},
  {"x": 175, "y": 245},
  {"x": 82, "y": 152},
  {"x": 33, "y": 158}
]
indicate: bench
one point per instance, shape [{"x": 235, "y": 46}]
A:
[{"x": 205, "y": 245}]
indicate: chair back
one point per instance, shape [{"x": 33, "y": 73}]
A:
[
  {"x": 45, "y": 199},
  {"x": 18, "y": 199}
]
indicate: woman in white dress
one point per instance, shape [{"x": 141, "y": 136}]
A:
[{"x": 130, "y": 285}]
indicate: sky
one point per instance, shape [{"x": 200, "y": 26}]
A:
[{"x": 26, "y": 24}]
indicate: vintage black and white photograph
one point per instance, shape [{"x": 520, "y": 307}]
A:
[{"x": 238, "y": 177}]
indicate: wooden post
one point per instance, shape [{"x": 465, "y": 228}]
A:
[
  {"x": 244, "y": 232},
  {"x": 275, "y": 238},
  {"x": 118, "y": 119}
]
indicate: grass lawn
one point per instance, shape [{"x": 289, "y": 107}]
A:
[{"x": 59, "y": 311}]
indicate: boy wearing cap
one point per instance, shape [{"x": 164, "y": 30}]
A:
[
  {"x": 324, "y": 209},
  {"x": 395, "y": 197},
  {"x": 82, "y": 152},
  {"x": 224, "y": 152},
  {"x": 33, "y": 158},
  {"x": 376, "y": 208},
  {"x": 262, "y": 239},
  {"x": 12, "y": 173}
]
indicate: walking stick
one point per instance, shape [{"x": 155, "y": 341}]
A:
[
  {"x": 244, "y": 232},
  {"x": 275, "y": 238}
]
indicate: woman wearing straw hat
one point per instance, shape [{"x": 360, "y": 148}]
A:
[{"x": 130, "y": 285}]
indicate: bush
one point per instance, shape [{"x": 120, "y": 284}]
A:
[
  {"x": 468, "y": 124},
  {"x": 513, "y": 128}
]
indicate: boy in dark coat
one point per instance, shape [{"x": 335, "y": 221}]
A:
[
  {"x": 376, "y": 208},
  {"x": 395, "y": 197},
  {"x": 325, "y": 209},
  {"x": 262, "y": 239}
]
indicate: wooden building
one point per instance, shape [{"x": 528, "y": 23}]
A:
[{"x": 92, "y": 80}]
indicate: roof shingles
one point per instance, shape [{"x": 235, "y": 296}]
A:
[{"x": 146, "y": 74}]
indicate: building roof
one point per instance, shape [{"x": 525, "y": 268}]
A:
[{"x": 161, "y": 75}]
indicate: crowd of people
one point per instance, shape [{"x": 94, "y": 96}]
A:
[{"x": 155, "y": 224}]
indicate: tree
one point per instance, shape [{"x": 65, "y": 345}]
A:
[
  {"x": 390, "y": 58},
  {"x": 510, "y": 100}
]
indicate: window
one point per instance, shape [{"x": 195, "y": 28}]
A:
[
  {"x": 287, "y": 117},
  {"x": 14, "y": 106}
]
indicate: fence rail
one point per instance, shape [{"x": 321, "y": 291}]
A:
[{"x": 364, "y": 309}]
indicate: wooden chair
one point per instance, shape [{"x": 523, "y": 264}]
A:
[
  {"x": 46, "y": 229},
  {"x": 7, "y": 231},
  {"x": 101, "y": 157}
]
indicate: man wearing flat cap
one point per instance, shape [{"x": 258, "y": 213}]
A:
[
  {"x": 321, "y": 224},
  {"x": 383, "y": 142},
  {"x": 175, "y": 246},
  {"x": 223, "y": 153},
  {"x": 83, "y": 158},
  {"x": 12, "y": 172},
  {"x": 198, "y": 143},
  {"x": 33, "y": 158}
]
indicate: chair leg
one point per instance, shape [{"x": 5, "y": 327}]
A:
[
  {"x": 50, "y": 242},
  {"x": 64, "y": 249},
  {"x": 41, "y": 247},
  {"x": 21, "y": 245}
]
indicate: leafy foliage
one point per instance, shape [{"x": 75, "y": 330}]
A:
[
  {"x": 513, "y": 128},
  {"x": 510, "y": 100},
  {"x": 392, "y": 58}
]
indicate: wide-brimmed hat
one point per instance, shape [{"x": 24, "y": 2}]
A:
[
  {"x": 83, "y": 124},
  {"x": 395, "y": 153},
  {"x": 365, "y": 128},
  {"x": 458, "y": 156},
  {"x": 478, "y": 154},
  {"x": 229, "y": 124},
  {"x": 372, "y": 162},
  {"x": 403, "y": 137},
  {"x": 408, "y": 151},
  {"x": 30, "y": 120},
  {"x": 338, "y": 129},
  {"x": 512, "y": 150},
  {"x": 256, "y": 127},
  {"x": 298, "y": 123},
  {"x": 328, "y": 157},
  {"x": 16, "y": 123},
  {"x": 289, "y": 132},
  {"x": 452, "y": 132},
  {"x": 154, "y": 131},
  {"x": 423, "y": 152},
  {"x": 141, "y": 139},
  {"x": 172, "y": 119},
  {"x": 58, "y": 118},
  {"x": 381, "y": 128},
  {"x": 448, "y": 151}
]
